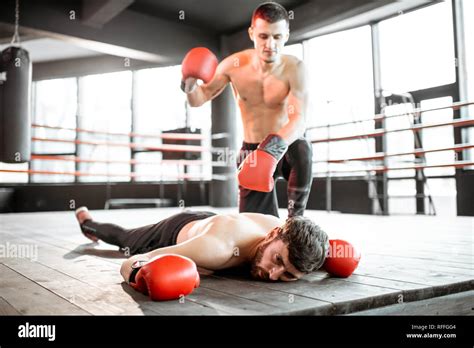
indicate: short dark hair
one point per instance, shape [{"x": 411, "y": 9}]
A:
[
  {"x": 308, "y": 244},
  {"x": 271, "y": 12}
]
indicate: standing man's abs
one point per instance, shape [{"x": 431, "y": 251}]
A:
[
  {"x": 259, "y": 123},
  {"x": 262, "y": 102}
]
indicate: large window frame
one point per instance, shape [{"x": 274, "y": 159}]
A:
[{"x": 452, "y": 90}]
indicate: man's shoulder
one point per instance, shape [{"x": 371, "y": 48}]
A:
[
  {"x": 238, "y": 58},
  {"x": 245, "y": 53},
  {"x": 292, "y": 61}
]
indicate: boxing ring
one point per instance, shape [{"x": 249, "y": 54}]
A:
[
  {"x": 372, "y": 167},
  {"x": 409, "y": 265}
]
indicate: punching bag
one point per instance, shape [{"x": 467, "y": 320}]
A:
[{"x": 15, "y": 95}]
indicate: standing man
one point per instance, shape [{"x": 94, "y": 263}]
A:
[{"x": 270, "y": 89}]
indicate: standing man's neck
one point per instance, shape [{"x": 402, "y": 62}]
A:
[{"x": 265, "y": 67}]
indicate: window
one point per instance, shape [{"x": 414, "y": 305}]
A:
[
  {"x": 160, "y": 105},
  {"x": 401, "y": 192},
  {"x": 294, "y": 50},
  {"x": 105, "y": 106},
  {"x": 468, "y": 29},
  {"x": 417, "y": 49},
  {"x": 400, "y": 142},
  {"x": 13, "y": 177},
  {"x": 341, "y": 90},
  {"x": 442, "y": 190},
  {"x": 55, "y": 105},
  {"x": 438, "y": 137}
]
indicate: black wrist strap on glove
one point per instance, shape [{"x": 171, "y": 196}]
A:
[
  {"x": 135, "y": 268},
  {"x": 274, "y": 145},
  {"x": 131, "y": 279}
]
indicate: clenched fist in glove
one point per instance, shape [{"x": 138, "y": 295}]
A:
[
  {"x": 166, "y": 277},
  {"x": 200, "y": 63},
  {"x": 256, "y": 171}
]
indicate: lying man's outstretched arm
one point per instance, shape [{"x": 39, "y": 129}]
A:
[{"x": 207, "y": 251}]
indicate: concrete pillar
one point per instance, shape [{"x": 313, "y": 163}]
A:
[{"x": 223, "y": 193}]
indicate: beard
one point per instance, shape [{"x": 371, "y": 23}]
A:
[
  {"x": 255, "y": 270},
  {"x": 269, "y": 59}
]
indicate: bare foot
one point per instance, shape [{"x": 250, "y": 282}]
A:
[{"x": 82, "y": 215}]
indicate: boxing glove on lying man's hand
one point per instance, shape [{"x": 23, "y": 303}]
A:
[
  {"x": 199, "y": 63},
  {"x": 343, "y": 258},
  {"x": 166, "y": 277},
  {"x": 256, "y": 171}
]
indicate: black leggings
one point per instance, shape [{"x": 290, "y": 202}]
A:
[
  {"x": 295, "y": 167},
  {"x": 143, "y": 239}
]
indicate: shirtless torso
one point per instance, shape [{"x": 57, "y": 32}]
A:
[
  {"x": 217, "y": 242},
  {"x": 238, "y": 231},
  {"x": 262, "y": 97},
  {"x": 268, "y": 97}
]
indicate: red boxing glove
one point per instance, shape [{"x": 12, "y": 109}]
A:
[
  {"x": 343, "y": 258},
  {"x": 256, "y": 171},
  {"x": 199, "y": 63},
  {"x": 167, "y": 277}
]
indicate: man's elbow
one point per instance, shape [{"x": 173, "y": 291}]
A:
[
  {"x": 195, "y": 103},
  {"x": 125, "y": 271}
]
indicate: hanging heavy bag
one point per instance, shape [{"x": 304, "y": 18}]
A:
[{"x": 15, "y": 93}]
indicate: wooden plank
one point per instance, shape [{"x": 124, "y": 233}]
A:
[
  {"x": 428, "y": 256},
  {"x": 417, "y": 264},
  {"x": 6, "y": 308},
  {"x": 421, "y": 240},
  {"x": 372, "y": 280},
  {"x": 443, "y": 252},
  {"x": 410, "y": 272},
  {"x": 298, "y": 304},
  {"x": 415, "y": 292},
  {"x": 344, "y": 296},
  {"x": 202, "y": 302},
  {"x": 467, "y": 260},
  {"x": 234, "y": 294},
  {"x": 342, "y": 305},
  {"x": 285, "y": 302},
  {"x": 294, "y": 303},
  {"x": 29, "y": 298},
  {"x": 96, "y": 274},
  {"x": 410, "y": 291},
  {"x": 91, "y": 298},
  {"x": 456, "y": 304},
  {"x": 216, "y": 298},
  {"x": 224, "y": 303}
]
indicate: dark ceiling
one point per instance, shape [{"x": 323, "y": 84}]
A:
[
  {"x": 151, "y": 31},
  {"x": 223, "y": 16}
]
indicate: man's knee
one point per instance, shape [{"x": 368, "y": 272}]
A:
[
  {"x": 300, "y": 151},
  {"x": 302, "y": 144}
]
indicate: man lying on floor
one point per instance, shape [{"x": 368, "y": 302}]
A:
[{"x": 275, "y": 251}]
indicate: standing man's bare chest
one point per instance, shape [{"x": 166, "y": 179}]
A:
[{"x": 256, "y": 89}]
